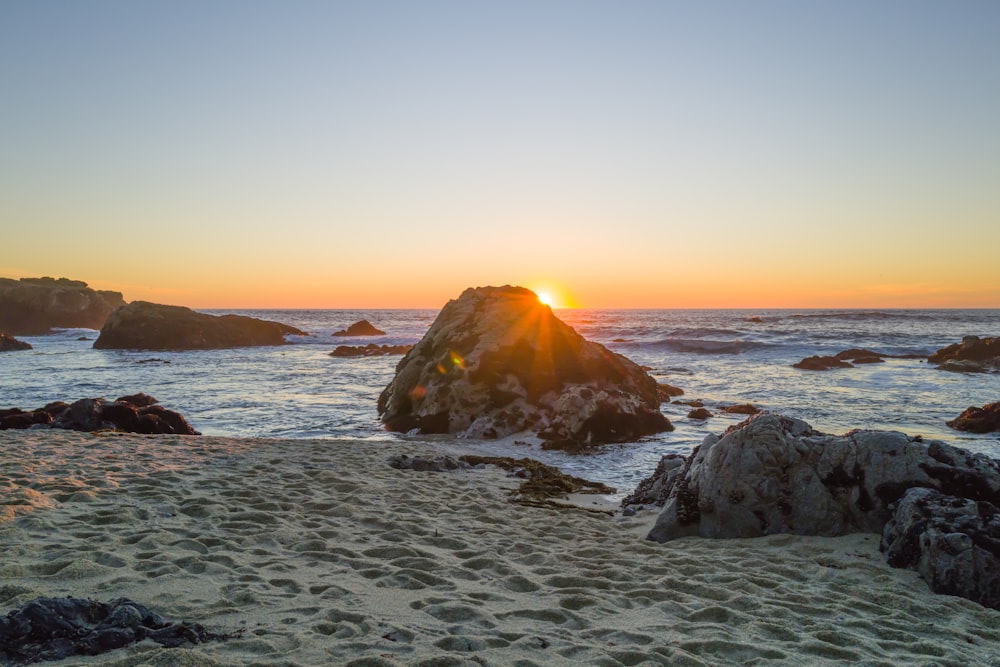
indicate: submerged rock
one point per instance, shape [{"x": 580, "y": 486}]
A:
[
  {"x": 57, "y": 628},
  {"x": 362, "y": 328},
  {"x": 497, "y": 361},
  {"x": 741, "y": 409},
  {"x": 370, "y": 350},
  {"x": 817, "y": 363},
  {"x": 972, "y": 355},
  {"x": 699, "y": 413},
  {"x": 151, "y": 326},
  {"x": 10, "y": 344},
  {"x": 32, "y": 306},
  {"x": 668, "y": 391},
  {"x": 978, "y": 420},
  {"x": 139, "y": 413}
]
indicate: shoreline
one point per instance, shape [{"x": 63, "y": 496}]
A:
[{"x": 320, "y": 553}]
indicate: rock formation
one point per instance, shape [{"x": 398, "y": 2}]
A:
[
  {"x": 699, "y": 413},
  {"x": 139, "y": 413},
  {"x": 33, "y": 306},
  {"x": 817, "y": 363},
  {"x": 978, "y": 420},
  {"x": 496, "y": 361},
  {"x": 149, "y": 326},
  {"x": 972, "y": 355},
  {"x": 370, "y": 350},
  {"x": 10, "y": 344},
  {"x": 741, "y": 409},
  {"x": 362, "y": 328}
]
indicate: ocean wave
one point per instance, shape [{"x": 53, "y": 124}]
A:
[
  {"x": 702, "y": 332},
  {"x": 701, "y": 346}
]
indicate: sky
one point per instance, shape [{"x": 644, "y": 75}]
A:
[{"x": 666, "y": 154}]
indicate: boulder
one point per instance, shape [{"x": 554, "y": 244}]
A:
[
  {"x": 370, "y": 350},
  {"x": 362, "y": 328},
  {"x": 655, "y": 489},
  {"x": 497, "y": 361},
  {"x": 817, "y": 363},
  {"x": 33, "y": 306},
  {"x": 130, "y": 414},
  {"x": 149, "y": 326},
  {"x": 860, "y": 356},
  {"x": 973, "y": 354},
  {"x": 978, "y": 420},
  {"x": 773, "y": 474},
  {"x": 952, "y": 542},
  {"x": 741, "y": 409},
  {"x": 699, "y": 413},
  {"x": 668, "y": 391},
  {"x": 10, "y": 344}
]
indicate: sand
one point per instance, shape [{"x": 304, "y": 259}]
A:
[{"x": 319, "y": 553}]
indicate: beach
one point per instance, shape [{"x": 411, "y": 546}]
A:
[{"x": 318, "y": 552}]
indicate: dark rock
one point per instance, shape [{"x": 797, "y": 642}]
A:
[
  {"x": 370, "y": 350},
  {"x": 10, "y": 344},
  {"x": 692, "y": 404},
  {"x": 150, "y": 326},
  {"x": 699, "y": 413},
  {"x": 973, "y": 354},
  {"x": 978, "y": 420},
  {"x": 952, "y": 542},
  {"x": 816, "y": 363},
  {"x": 139, "y": 413},
  {"x": 32, "y": 306},
  {"x": 497, "y": 361},
  {"x": 741, "y": 409},
  {"x": 667, "y": 391},
  {"x": 655, "y": 489},
  {"x": 424, "y": 464},
  {"x": 57, "y": 628},
  {"x": 362, "y": 328},
  {"x": 542, "y": 483},
  {"x": 860, "y": 356}
]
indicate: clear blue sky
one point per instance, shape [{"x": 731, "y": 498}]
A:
[{"x": 393, "y": 153}]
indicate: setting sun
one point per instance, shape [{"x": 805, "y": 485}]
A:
[{"x": 545, "y": 298}]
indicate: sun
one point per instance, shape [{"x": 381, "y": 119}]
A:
[{"x": 545, "y": 298}]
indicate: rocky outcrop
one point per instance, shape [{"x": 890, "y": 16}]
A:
[
  {"x": 699, "y": 413},
  {"x": 842, "y": 359},
  {"x": 978, "y": 420},
  {"x": 774, "y": 474},
  {"x": 741, "y": 409},
  {"x": 362, "y": 328},
  {"x": 972, "y": 355},
  {"x": 139, "y": 413},
  {"x": 11, "y": 344},
  {"x": 370, "y": 350},
  {"x": 861, "y": 356},
  {"x": 668, "y": 391},
  {"x": 150, "y": 326},
  {"x": 817, "y": 363},
  {"x": 33, "y": 306},
  {"x": 57, "y": 628},
  {"x": 952, "y": 542},
  {"x": 496, "y": 361}
]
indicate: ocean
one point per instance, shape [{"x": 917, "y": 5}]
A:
[{"x": 721, "y": 357}]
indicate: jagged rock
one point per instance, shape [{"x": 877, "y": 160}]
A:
[
  {"x": 741, "y": 409},
  {"x": 817, "y": 363},
  {"x": 773, "y": 474},
  {"x": 32, "y": 306},
  {"x": 362, "y": 328},
  {"x": 496, "y": 361},
  {"x": 150, "y": 326},
  {"x": 699, "y": 413},
  {"x": 370, "y": 350},
  {"x": 655, "y": 489},
  {"x": 139, "y": 413},
  {"x": 972, "y": 355},
  {"x": 978, "y": 420},
  {"x": 10, "y": 344},
  {"x": 57, "y": 628},
  {"x": 952, "y": 542},
  {"x": 668, "y": 391}
]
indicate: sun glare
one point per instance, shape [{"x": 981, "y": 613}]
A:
[{"x": 545, "y": 298}]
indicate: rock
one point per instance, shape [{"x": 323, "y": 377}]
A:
[
  {"x": 692, "y": 404},
  {"x": 370, "y": 350},
  {"x": 861, "y": 356},
  {"x": 139, "y": 413},
  {"x": 424, "y": 464},
  {"x": 149, "y": 326},
  {"x": 952, "y": 542},
  {"x": 57, "y": 628},
  {"x": 496, "y": 361},
  {"x": 655, "y": 489},
  {"x": 667, "y": 391},
  {"x": 362, "y": 328},
  {"x": 978, "y": 420},
  {"x": 741, "y": 409},
  {"x": 699, "y": 413},
  {"x": 542, "y": 483},
  {"x": 10, "y": 344},
  {"x": 33, "y": 306},
  {"x": 973, "y": 354},
  {"x": 773, "y": 474},
  {"x": 816, "y": 363}
]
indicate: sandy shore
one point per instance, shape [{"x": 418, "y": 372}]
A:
[{"x": 325, "y": 555}]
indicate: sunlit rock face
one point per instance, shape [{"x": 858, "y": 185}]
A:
[
  {"x": 32, "y": 306},
  {"x": 151, "y": 326},
  {"x": 497, "y": 361}
]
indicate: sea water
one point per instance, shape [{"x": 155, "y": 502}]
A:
[{"x": 721, "y": 357}]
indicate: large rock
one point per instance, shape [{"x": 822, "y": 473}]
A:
[
  {"x": 773, "y": 474},
  {"x": 978, "y": 420},
  {"x": 150, "y": 326},
  {"x": 139, "y": 413},
  {"x": 497, "y": 361},
  {"x": 32, "y": 306},
  {"x": 10, "y": 344},
  {"x": 952, "y": 542},
  {"x": 362, "y": 328},
  {"x": 973, "y": 354}
]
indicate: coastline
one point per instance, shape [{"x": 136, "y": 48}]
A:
[{"x": 318, "y": 552}]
